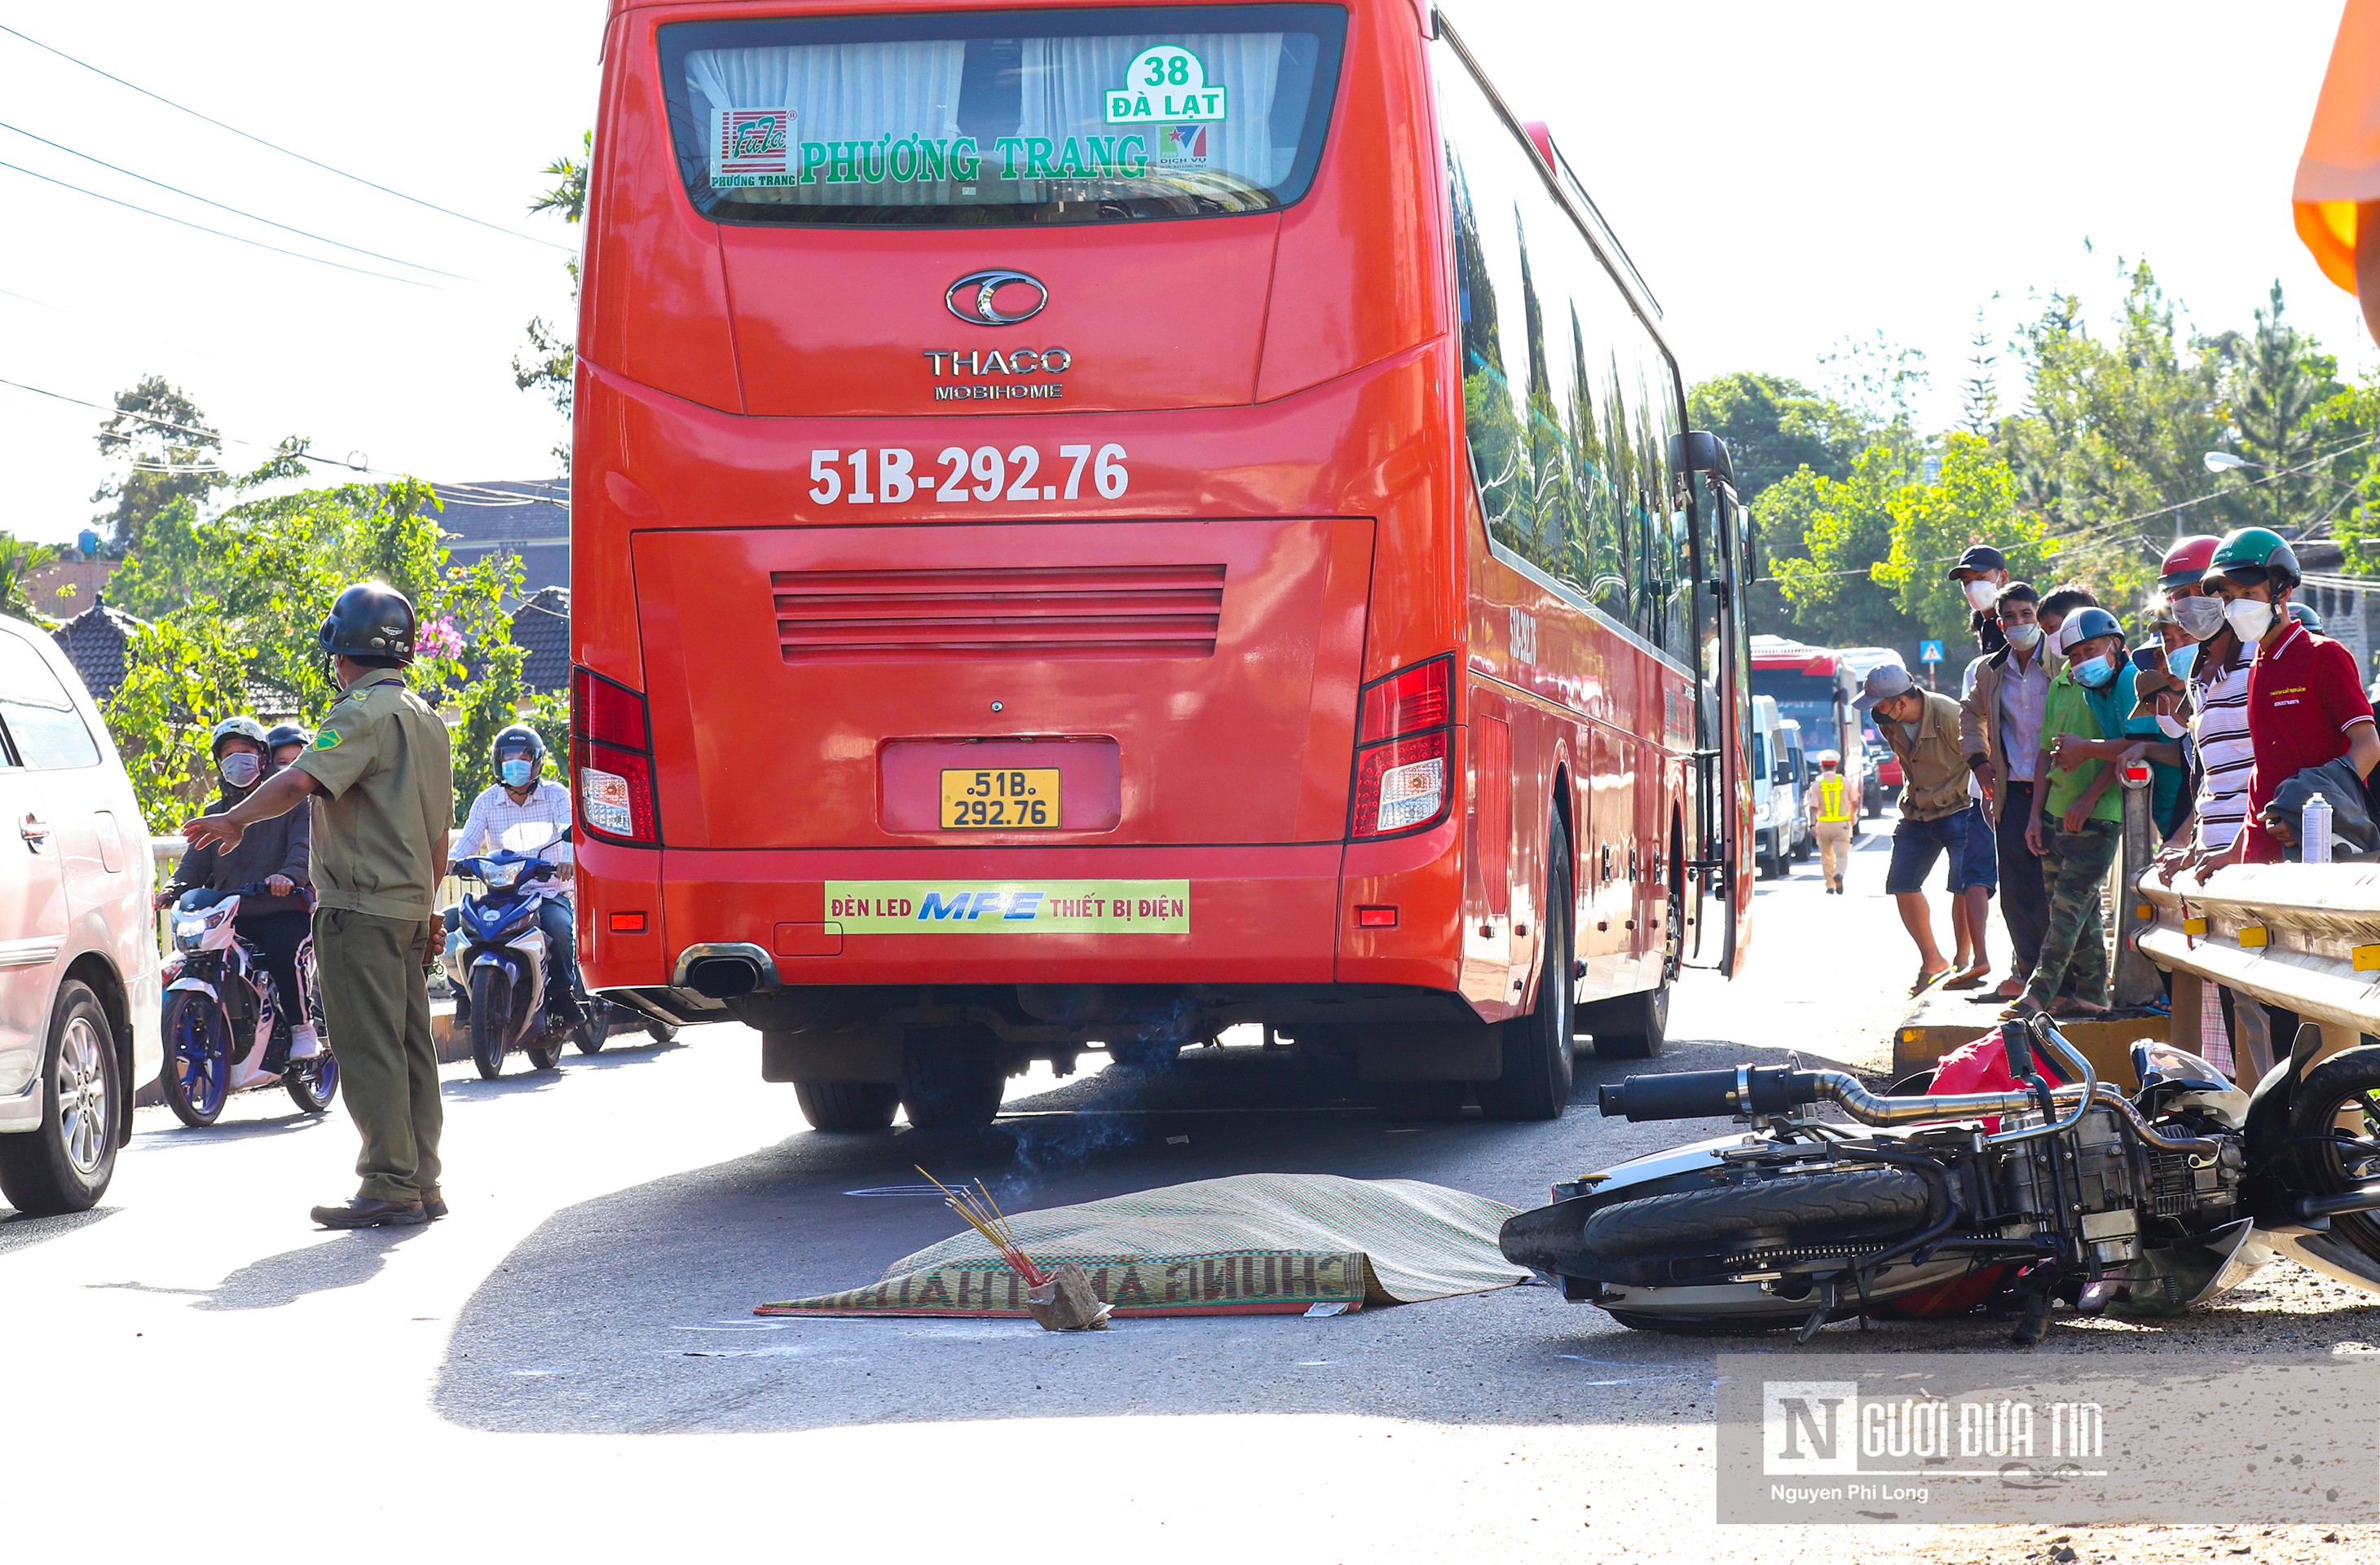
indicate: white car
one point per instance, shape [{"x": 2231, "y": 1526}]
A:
[{"x": 79, "y": 998}]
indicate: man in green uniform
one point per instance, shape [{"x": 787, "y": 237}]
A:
[{"x": 381, "y": 775}]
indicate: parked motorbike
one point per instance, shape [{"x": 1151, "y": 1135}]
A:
[
  {"x": 2003, "y": 1201},
  {"x": 226, "y": 1026},
  {"x": 500, "y": 963}
]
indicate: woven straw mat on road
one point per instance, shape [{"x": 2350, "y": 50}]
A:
[{"x": 1251, "y": 1244}]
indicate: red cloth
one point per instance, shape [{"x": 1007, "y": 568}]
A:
[
  {"x": 2303, "y": 696},
  {"x": 1981, "y": 1066}
]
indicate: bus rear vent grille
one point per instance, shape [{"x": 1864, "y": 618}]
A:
[{"x": 1012, "y": 611}]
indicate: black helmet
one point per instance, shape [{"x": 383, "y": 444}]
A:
[
  {"x": 242, "y": 727},
  {"x": 369, "y": 620},
  {"x": 288, "y": 733},
  {"x": 519, "y": 739}
]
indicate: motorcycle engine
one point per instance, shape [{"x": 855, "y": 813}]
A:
[{"x": 2119, "y": 1190}]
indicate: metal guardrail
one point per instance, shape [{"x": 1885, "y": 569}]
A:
[{"x": 2303, "y": 937}]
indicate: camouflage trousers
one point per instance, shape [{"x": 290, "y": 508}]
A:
[{"x": 2075, "y": 942}]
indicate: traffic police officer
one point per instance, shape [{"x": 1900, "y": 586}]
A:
[{"x": 380, "y": 773}]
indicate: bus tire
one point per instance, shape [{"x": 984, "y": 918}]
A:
[
  {"x": 1536, "y": 1082},
  {"x": 848, "y": 1106},
  {"x": 1632, "y": 1026},
  {"x": 952, "y": 1077}
]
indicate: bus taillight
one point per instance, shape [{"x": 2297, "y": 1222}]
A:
[
  {"x": 611, "y": 746},
  {"x": 1401, "y": 755}
]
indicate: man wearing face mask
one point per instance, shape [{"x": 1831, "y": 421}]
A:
[
  {"x": 2078, "y": 816},
  {"x": 2002, "y": 715},
  {"x": 2306, "y": 706},
  {"x": 2219, "y": 754},
  {"x": 1981, "y": 572},
  {"x": 274, "y": 854},
  {"x": 1936, "y": 816},
  {"x": 523, "y": 796}
]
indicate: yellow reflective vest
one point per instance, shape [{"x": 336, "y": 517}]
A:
[{"x": 1834, "y": 795}]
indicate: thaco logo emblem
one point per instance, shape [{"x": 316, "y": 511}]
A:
[{"x": 972, "y": 297}]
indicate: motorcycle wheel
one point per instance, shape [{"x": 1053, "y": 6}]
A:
[
  {"x": 491, "y": 1008},
  {"x": 197, "y": 1078},
  {"x": 545, "y": 1054},
  {"x": 595, "y": 1029},
  {"x": 1628, "y": 1242},
  {"x": 313, "y": 1083},
  {"x": 2340, "y": 1098}
]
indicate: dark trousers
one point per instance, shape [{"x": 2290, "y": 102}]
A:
[
  {"x": 561, "y": 956},
  {"x": 276, "y": 937},
  {"x": 2074, "y": 946},
  {"x": 2024, "y": 898},
  {"x": 379, "y": 1016}
]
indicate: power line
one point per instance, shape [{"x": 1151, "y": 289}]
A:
[
  {"x": 275, "y": 146},
  {"x": 477, "y": 494},
  {"x": 236, "y": 212},
  {"x": 236, "y": 238}
]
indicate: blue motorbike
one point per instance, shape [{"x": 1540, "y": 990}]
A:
[{"x": 499, "y": 963}]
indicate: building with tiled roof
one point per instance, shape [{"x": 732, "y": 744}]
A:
[
  {"x": 528, "y": 519},
  {"x": 541, "y": 629},
  {"x": 96, "y": 642}
]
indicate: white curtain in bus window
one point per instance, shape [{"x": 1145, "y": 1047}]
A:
[
  {"x": 1567, "y": 400},
  {"x": 1068, "y": 83},
  {"x": 856, "y": 118}
]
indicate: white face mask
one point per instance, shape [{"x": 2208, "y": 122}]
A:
[
  {"x": 2200, "y": 618},
  {"x": 239, "y": 769},
  {"x": 2249, "y": 618},
  {"x": 2169, "y": 726},
  {"x": 2023, "y": 638},
  {"x": 1981, "y": 594}
]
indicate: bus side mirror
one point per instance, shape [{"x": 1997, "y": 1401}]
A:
[{"x": 1699, "y": 450}]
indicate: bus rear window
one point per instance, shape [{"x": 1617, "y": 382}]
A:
[{"x": 992, "y": 118}]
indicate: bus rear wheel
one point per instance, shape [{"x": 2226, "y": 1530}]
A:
[
  {"x": 1632, "y": 1026},
  {"x": 952, "y": 1077},
  {"x": 848, "y": 1106},
  {"x": 1536, "y": 1082}
]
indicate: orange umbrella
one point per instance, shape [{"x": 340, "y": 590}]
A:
[{"x": 2337, "y": 189}]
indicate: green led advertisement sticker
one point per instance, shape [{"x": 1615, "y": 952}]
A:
[
  {"x": 1166, "y": 82},
  {"x": 1009, "y": 907}
]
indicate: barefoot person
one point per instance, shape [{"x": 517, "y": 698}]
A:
[{"x": 1937, "y": 814}]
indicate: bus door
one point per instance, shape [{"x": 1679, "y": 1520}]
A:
[{"x": 1722, "y": 872}]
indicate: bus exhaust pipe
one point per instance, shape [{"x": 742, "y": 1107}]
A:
[{"x": 726, "y": 972}]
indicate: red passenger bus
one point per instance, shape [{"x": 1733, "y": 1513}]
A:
[{"x": 1097, "y": 524}]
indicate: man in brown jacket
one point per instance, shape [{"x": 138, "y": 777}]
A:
[
  {"x": 2002, "y": 720},
  {"x": 1925, "y": 731}
]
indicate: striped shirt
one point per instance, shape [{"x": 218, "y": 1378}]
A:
[
  {"x": 2225, "y": 754},
  {"x": 548, "y": 812}
]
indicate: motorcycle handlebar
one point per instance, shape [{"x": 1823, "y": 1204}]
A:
[{"x": 1706, "y": 1095}]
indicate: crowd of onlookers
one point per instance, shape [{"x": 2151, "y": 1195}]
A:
[{"x": 2238, "y": 708}]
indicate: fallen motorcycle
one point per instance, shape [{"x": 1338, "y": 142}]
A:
[{"x": 2003, "y": 1201}]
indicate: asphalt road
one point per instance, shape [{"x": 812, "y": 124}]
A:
[{"x": 569, "y": 1362}]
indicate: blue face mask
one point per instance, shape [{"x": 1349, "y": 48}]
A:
[
  {"x": 517, "y": 772},
  {"x": 2182, "y": 661},
  {"x": 2096, "y": 672}
]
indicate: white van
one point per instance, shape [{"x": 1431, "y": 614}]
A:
[
  {"x": 1781, "y": 829},
  {"x": 79, "y": 998}
]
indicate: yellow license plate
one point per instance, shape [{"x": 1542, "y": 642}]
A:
[{"x": 1011, "y": 800}]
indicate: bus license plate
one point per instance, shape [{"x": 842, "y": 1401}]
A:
[{"x": 1012, "y": 800}]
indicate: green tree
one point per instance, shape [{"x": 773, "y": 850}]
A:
[
  {"x": 1979, "y": 394},
  {"x": 166, "y": 453},
  {"x": 1971, "y": 500},
  {"x": 19, "y": 559},
  {"x": 182, "y": 675},
  {"x": 549, "y": 366},
  {"x": 2288, "y": 408},
  {"x": 262, "y": 574},
  {"x": 1775, "y": 427},
  {"x": 1846, "y": 526},
  {"x": 2115, "y": 431}
]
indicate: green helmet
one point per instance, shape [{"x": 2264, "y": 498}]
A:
[
  {"x": 237, "y": 728},
  {"x": 2259, "y": 551}
]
